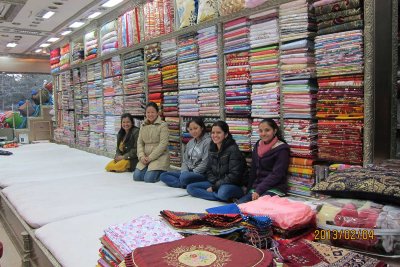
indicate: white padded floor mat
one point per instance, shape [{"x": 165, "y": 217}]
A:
[{"x": 75, "y": 242}]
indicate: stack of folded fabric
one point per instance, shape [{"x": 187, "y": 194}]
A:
[
  {"x": 91, "y": 45},
  {"x": 77, "y": 51},
  {"x": 335, "y": 16},
  {"x": 207, "y": 41},
  {"x": 96, "y": 140},
  {"x": 241, "y": 132},
  {"x": 174, "y": 146},
  {"x": 68, "y": 127},
  {"x": 301, "y": 136},
  {"x": 95, "y": 105},
  {"x": 236, "y": 35},
  {"x": 94, "y": 89},
  {"x": 65, "y": 57},
  {"x": 112, "y": 86},
  {"x": 297, "y": 60},
  {"x": 154, "y": 78},
  {"x": 202, "y": 223},
  {"x": 83, "y": 74},
  {"x": 238, "y": 100},
  {"x": 297, "y": 21},
  {"x": 156, "y": 98},
  {"x": 208, "y": 62},
  {"x": 290, "y": 218},
  {"x": 109, "y": 37},
  {"x": 340, "y": 140},
  {"x": 76, "y": 79},
  {"x": 341, "y": 97},
  {"x": 264, "y": 54},
  {"x": 113, "y": 105},
  {"x": 158, "y": 16},
  {"x": 301, "y": 176},
  {"x": 55, "y": 60},
  {"x": 265, "y": 100},
  {"x": 112, "y": 125},
  {"x": 237, "y": 68},
  {"x": 209, "y": 102},
  {"x": 169, "y": 65},
  {"x": 129, "y": 28},
  {"x": 111, "y": 67},
  {"x": 299, "y": 99},
  {"x": 121, "y": 240},
  {"x": 188, "y": 103},
  {"x": 339, "y": 53},
  {"x": 94, "y": 72},
  {"x": 82, "y": 131},
  {"x": 170, "y": 104},
  {"x": 134, "y": 83}
]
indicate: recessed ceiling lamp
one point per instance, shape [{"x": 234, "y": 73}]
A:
[
  {"x": 38, "y": 50},
  {"x": 48, "y": 14},
  {"x": 44, "y": 45},
  {"x": 95, "y": 14},
  {"x": 65, "y": 33},
  {"x": 53, "y": 39},
  {"x": 12, "y": 44},
  {"x": 76, "y": 24},
  {"x": 111, "y": 3}
]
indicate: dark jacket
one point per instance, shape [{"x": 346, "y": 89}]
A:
[
  {"x": 227, "y": 166},
  {"x": 270, "y": 170},
  {"x": 130, "y": 148}
]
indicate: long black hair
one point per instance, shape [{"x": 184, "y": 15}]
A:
[
  {"x": 199, "y": 121},
  {"x": 121, "y": 132},
  {"x": 274, "y": 126},
  {"x": 224, "y": 127}
]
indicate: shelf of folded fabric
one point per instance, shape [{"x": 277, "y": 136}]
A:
[
  {"x": 174, "y": 137},
  {"x": 68, "y": 127},
  {"x": 129, "y": 32},
  {"x": 96, "y": 135},
  {"x": 83, "y": 74},
  {"x": 77, "y": 51},
  {"x": 82, "y": 130},
  {"x": 133, "y": 83},
  {"x": 158, "y": 18},
  {"x": 240, "y": 128},
  {"x": 169, "y": 72},
  {"x": 209, "y": 98},
  {"x": 111, "y": 67},
  {"x": 188, "y": 75},
  {"x": 55, "y": 56},
  {"x": 91, "y": 48},
  {"x": 65, "y": 57},
  {"x": 108, "y": 38},
  {"x": 301, "y": 176},
  {"x": 154, "y": 77},
  {"x": 111, "y": 127}
]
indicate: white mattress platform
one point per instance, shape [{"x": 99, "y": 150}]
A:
[
  {"x": 78, "y": 243},
  {"x": 69, "y": 199}
]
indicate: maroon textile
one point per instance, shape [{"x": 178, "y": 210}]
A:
[{"x": 199, "y": 250}]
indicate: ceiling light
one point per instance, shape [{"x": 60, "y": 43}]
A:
[
  {"x": 12, "y": 44},
  {"x": 44, "y": 45},
  {"x": 48, "y": 15},
  {"x": 95, "y": 14},
  {"x": 53, "y": 39},
  {"x": 66, "y": 32},
  {"x": 38, "y": 50},
  {"x": 76, "y": 24},
  {"x": 111, "y": 3}
]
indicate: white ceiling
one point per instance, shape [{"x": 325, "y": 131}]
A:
[{"x": 21, "y": 21}]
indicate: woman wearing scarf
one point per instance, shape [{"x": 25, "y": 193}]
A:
[{"x": 270, "y": 162}]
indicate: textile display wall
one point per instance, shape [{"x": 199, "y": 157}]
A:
[{"x": 300, "y": 63}]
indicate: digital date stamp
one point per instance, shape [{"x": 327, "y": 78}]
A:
[{"x": 344, "y": 234}]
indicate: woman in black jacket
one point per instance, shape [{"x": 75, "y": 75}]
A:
[
  {"x": 125, "y": 157},
  {"x": 226, "y": 169}
]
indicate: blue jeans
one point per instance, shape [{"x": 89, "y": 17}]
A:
[
  {"x": 247, "y": 197},
  {"x": 147, "y": 176},
  {"x": 226, "y": 192},
  {"x": 181, "y": 179}
]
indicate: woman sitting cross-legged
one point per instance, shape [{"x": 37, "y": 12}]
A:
[
  {"x": 125, "y": 157},
  {"x": 226, "y": 169},
  {"x": 195, "y": 158},
  {"x": 270, "y": 162},
  {"x": 152, "y": 147}
]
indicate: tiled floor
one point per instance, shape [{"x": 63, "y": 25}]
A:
[{"x": 10, "y": 257}]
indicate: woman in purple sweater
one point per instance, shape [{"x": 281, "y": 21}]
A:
[{"x": 270, "y": 162}]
